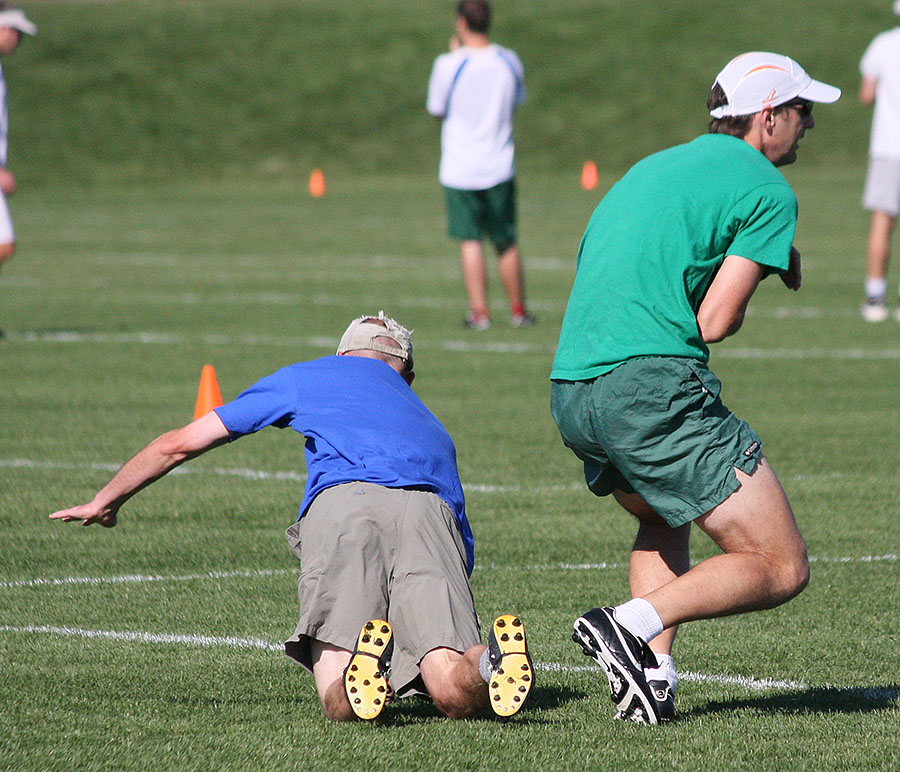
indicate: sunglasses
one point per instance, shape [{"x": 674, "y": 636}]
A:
[{"x": 803, "y": 106}]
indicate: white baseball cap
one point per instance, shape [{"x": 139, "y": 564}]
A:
[
  {"x": 760, "y": 79},
  {"x": 14, "y": 18}
]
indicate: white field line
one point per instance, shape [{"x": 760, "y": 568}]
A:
[
  {"x": 250, "y": 574},
  {"x": 259, "y": 474},
  {"x": 212, "y": 641},
  {"x": 465, "y": 346}
]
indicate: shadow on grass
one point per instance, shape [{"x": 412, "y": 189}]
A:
[
  {"x": 824, "y": 699},
  {"x": 543, "y": 698}
]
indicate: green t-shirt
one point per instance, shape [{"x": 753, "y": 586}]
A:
[{"x": 654, "y": 244}]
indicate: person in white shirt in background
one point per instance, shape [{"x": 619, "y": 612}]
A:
[
  {"x": 12, "y": 24},
  {"x": 880, "y": 85},
  {"x": 475, "y": 90}
]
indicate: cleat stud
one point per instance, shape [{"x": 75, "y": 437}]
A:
[
  {"x": 504, "y": 637},
  {"x": 382, "y": 689},
  {"x": 496, "y": 698},
  {"x": 495, "y": 685},
  {"x": 357, "y": 701},
  {"x": 376, "y": 674},
  {"x": 501, "y": 622},
  {"x": 366, "y": 638},
  {"x": 526, "y": 678},
  {"x": 519, "y": 637},
  {"x": 354, "y": 668},
  {"x": 377, "y": 701},
  {"x": 525, "y": 666},
  {"x": 510, "y": 680},
  {"x": 499, "y": 671},
  {"x": 352, "y": 690},
  {"x": 369, "y": 626},
  {"x": 366, "y": 682},
  {"x": 385, "y": 629},
  {"x": 379, "y": 642},
  {"x": 522, "y": 689},
  {"x": 517, "y": 622},
  {"x": 517, "y": 698}
]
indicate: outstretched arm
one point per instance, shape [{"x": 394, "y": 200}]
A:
[{"x": 156, "y": 459}]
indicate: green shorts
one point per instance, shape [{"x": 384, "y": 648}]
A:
[
  {"x": 657, "y": 427},
  {"x": 472, "y": 214},
  {"x": 370, "y": 552}
]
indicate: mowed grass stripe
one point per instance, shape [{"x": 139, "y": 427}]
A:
[
  {"x": 459, "y": 346},
  {"x": 258, "y": 573}
]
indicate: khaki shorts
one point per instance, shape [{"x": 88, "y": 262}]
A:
[
  {"x": 882, "y": 191},
  {"x": 656, "y": 426},
  {"x": 370, "y": 552}
]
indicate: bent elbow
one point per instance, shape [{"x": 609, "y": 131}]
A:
[{"x": 715, "y": 329}]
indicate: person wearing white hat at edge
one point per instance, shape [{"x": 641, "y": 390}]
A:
[
  {"x": 880, "y": 85},
  {"x": 12, "y": 24}
]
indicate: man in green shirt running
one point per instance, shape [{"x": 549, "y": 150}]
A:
[{"x": 667, "y": 265}]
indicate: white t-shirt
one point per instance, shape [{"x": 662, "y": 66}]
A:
[
  {"x": 476, "y": 92},
  {"x": 881, "y": 61},
  {"x": 4, "y": 120}
]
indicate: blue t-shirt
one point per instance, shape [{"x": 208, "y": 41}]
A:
[{"x": 362, "y": 423}]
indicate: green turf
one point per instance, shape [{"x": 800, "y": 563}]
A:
[
  {"x": 120, "y": 295},
  {"x": 151, "y": 90},
  {"x": 162, "y": 151}
]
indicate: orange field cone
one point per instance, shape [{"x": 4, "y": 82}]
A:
[
  {"x": 589, "y": 176},
  {"x": 208, "y": 395},
  {"x": 317, "y": 183}
]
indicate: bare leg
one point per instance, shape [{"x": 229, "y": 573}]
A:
[
  {"x": 453, "y": 681},
  {"x": 474, "y": 274},
  {"x": 509, "y": 266},
  {"x": 329, "y": 663},
  {"x": 764, "y": 562},
  {"x": 879, "y": 245},
  {"x": 659, "y": 555}
]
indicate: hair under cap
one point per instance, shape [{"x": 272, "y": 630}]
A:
[
  {"x": 760, "y": 79},
  {"x": 362, "y": 334}
]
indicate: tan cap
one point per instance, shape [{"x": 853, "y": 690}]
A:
[{"x": 362, "y": 332}]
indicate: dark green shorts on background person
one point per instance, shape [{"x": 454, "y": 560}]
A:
[
  {"x": 656, "y": 426},
  {"x": 474, "y": 214}
]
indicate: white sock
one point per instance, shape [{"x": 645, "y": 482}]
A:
[
  {"x": 640, "y": 618},
  {"x": 484, "y": 666},
  {"x": 665, "y": 671},
  {"x": 876, "y": 288}
]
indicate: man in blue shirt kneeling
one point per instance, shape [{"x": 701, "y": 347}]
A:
[{"x": 384, "y": 544}]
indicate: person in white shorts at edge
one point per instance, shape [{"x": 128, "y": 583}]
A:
[
  {"x": 384, "y": 543},
  {"x": 667, "y": 265},
  {"x": 12, "y": 24},
  {"x": 475, "y": 90},
  {"x": 880, "y": 85}
]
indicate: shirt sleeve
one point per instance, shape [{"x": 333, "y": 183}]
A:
[
  {"x": 270, "y": 401},
  {"x": 870, "y": 64},
  {"x": 438, "y": 87},
  {"x": 763, "y": 225}
]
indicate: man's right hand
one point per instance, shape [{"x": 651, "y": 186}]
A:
[{"x": 88, "y": 514}]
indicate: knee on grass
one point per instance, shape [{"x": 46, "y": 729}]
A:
[{"x": 459, "y": 703}]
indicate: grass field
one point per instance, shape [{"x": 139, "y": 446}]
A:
[
  {"x": 112, "y": 311},
  {"x": 164, "y": 224}
]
